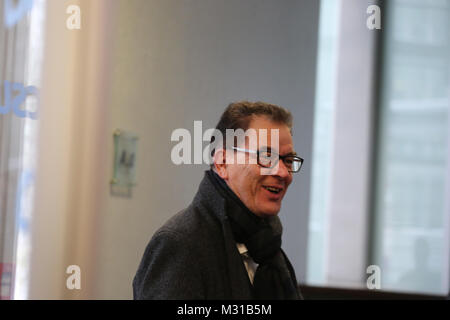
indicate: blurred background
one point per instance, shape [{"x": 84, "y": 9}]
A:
[{"x": 82, "y": 81}]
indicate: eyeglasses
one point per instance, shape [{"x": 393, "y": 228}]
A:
[{"x": 269, "y": 159}]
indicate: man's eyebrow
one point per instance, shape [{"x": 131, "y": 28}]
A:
[{"x": 293, "y": 153}]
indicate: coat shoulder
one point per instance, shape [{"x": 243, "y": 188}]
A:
[
  {"x": 180, "y": 260},
  {"x": 193, "y": 224}
]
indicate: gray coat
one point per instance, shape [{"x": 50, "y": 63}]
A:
[{"x": 194, "y": 255}]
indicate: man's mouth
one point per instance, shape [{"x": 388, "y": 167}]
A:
[{"x": 274, "y": 190}]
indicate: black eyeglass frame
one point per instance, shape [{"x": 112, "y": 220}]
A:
[{"x": 280, "y": 157}]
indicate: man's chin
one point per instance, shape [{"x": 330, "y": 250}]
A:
[{"x": 269, "y": 211}]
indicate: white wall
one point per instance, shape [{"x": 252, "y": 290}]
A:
[
  {"x": 348, "y": 211},
  {"x": 73, "y": 113}
]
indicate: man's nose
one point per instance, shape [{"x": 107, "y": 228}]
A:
[{"x": 282, "y": 171}]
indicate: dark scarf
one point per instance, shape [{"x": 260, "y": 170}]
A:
[{"x": 262, "y": 237}]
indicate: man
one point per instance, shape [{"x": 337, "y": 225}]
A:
[{"x": 227, "y": 243}]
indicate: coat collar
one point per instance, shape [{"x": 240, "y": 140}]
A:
[{"x": 208, "y": 196}]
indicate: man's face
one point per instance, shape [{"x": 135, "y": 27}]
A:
[{"x": 246, "y": 179}]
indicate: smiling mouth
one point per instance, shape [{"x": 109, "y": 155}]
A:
[{"x": 274, "y": 190}]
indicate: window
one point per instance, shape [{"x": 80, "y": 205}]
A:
[
  {"x": 21, "y": 47},
  {"x": 411, "y": 233}
]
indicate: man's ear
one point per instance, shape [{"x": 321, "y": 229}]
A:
[{"x": 220, "y": 163}]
